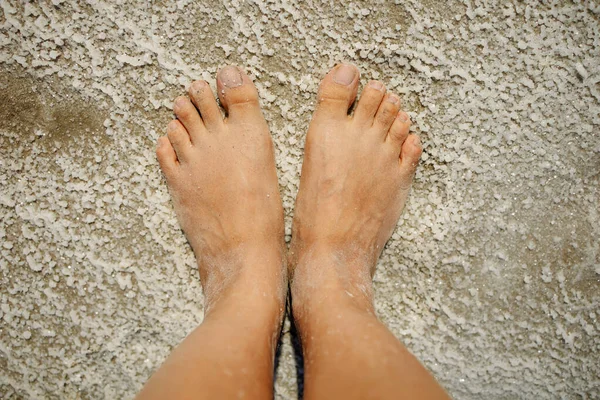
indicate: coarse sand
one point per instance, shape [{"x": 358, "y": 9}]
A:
[{"x": 492, "y": 277}]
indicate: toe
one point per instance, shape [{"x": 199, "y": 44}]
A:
[
  {"x": 237, "y": 94},
  {"x": 180, "y": 139},
  {"x": 388, "y": 109},
  {"x": 369, "y": 102},
  {"x": 204, "y": 100},
  {"x": 399, "y": 131},
  {"x": 410, "y": 154},
  {"x": 166, "y": 156},
  {"x": 189, "y": 117},
  {"x": 338, "y": 91}
]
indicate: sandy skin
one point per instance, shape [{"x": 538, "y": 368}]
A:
[{"x": 356, "y": 178}]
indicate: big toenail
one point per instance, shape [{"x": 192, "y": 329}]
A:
[
  {"x": 417, "y": 142},
  {"x": 345, "y": 74},
  {"x": 376, "y": 85},
  {"x": 231, "y": 77},
  {"x": 393, "y": 99}
]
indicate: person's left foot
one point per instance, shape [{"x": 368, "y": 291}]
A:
[
  {"x": 222, "y": 177},
  {"x": 356, "y": 177}
]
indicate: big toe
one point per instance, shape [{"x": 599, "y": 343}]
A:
[
  {"x": 338, "y": 91},
  {"x": 237, "y": 93}
]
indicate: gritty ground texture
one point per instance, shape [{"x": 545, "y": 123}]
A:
[{"x": 492, "y": 278}]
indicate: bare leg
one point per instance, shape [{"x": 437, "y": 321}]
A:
[
  {"x": 222, "y": 177},
  {"x": 356, "y": 177}
]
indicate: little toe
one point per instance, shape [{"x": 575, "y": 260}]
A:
[
  {"x": 369, "y": 102},
  {"x": 180, "y": 139},
  {"x": 399, "y": 131},
  {"x": 167, "y": 158},
  {"x": 337, "y": 91},
  {"x": 204, "y": 100},
  {"x": 189, "y": 117},
  {"x": 410, "y": 155},
  {"x": 237, "y": 94},
  {"x": 388, "y": 109}
]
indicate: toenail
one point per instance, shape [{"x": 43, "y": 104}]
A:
[
  {"x": 344, "y": 74},
  {"x": 172, "y": 125},
  {"x": 403, "y": 117},
  {"x": 376, "y": 85},
  {"x": 199, "y": 86},
  {"x": 179, "y": 102},
  {"x": 231, "y": 76},
  {"x": 417, "y": 142},
  {"x": 392, "y": 98}
]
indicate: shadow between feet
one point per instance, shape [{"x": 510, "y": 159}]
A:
[{"x": 297, "y": 348}]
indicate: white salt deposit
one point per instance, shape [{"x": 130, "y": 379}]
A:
[{"x": 492, "y": 278}]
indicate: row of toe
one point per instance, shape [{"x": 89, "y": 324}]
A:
[
  {"x": 377, "y": 112},
  {"x": 199, "y": 113},
  {"x": 236, "y": 92}
]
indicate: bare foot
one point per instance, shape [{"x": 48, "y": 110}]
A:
[
  {"x": 356, "y": 177},
  {"x": 221, "y": 175}
]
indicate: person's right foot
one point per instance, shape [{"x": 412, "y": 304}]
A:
[
  {"x": 222, "y": 177},
  {"x": 356, "y": 176}
]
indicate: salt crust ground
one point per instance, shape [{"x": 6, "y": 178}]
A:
[{"x": 492, "y": 278}]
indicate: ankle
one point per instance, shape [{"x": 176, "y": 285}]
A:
[
  {"x": 251, "y": 277},
  {"x": 260, "y": 305},
  {"x": 251, "y": 314},
  {"x": 248, "y": 308},
  {"x": 321, "y": 310},
  {"x": 325, "y": 280}
]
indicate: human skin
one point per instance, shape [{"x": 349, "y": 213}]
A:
[
  {"x": 356, "y": 178},
  {"x": 222, "y": 178}
]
